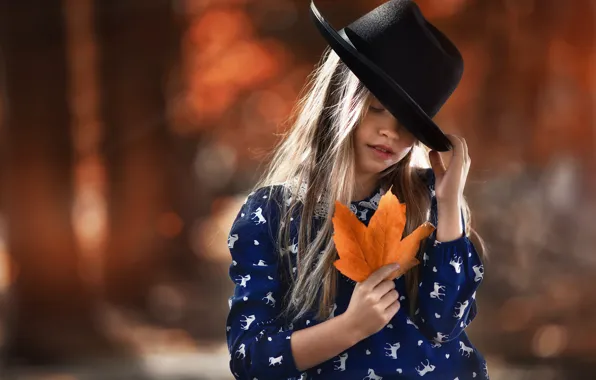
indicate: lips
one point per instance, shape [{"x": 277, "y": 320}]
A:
[
  {"x": 382, "y": 148},
  {"x": 382, "y": 152}
]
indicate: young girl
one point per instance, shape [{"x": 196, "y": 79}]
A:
[{"x": 293, "y": 315}]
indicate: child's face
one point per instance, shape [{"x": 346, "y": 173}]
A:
[{"x": 379, "y": 127}]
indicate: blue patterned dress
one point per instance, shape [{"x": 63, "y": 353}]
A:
[{"x": 432, "y": 345}]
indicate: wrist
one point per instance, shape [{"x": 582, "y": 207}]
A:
[
  {"x": 349, "y": 330},
  {"x": 449, "y": 222},
  {"x": 448, "y": 203},
  {"x": 449, "y": 237}
]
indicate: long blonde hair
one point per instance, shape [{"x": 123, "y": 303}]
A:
[{"x": 317, "y": 152}]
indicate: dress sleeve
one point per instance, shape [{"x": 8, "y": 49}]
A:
[
  {"x": 259, "y": 347},
  {"x": 450, "y": 274}
]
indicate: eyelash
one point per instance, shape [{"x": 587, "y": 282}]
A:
[{"x": 377, "y": 109}]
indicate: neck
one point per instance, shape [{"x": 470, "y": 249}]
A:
[{"x": 364, "y": 186}]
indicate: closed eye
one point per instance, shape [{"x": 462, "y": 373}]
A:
[{"x": 375, "y": 109}]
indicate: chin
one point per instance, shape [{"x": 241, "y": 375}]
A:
[
  {"x": 375, "y": 168},
  {"x": 387, "y": 164}
]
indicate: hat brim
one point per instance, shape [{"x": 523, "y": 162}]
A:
[{"x": 386, "y": 90}]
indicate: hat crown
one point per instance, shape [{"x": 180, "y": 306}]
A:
[
  {"x": 407, "y": 63},
  {"x": 382, "y": 22},
  {"x": 397, "y": 37}
]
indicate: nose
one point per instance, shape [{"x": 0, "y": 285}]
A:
[{"x": 391, "y": 129}]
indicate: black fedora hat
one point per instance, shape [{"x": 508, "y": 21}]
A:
[{"x": 408, "y": 64}]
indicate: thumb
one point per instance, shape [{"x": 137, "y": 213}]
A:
[{"x": 436, "y": 163}]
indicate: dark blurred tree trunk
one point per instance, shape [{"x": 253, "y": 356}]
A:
[
  {"x": 53, "y": 308},
  {"x": 139, "y": 42}
]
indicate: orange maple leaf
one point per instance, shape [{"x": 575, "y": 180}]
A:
[{"x": 362, "y": 250}]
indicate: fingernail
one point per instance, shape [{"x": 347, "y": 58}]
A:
[{"x": 395, "y": 266}]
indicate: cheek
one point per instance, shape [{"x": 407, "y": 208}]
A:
[
  {"x": 362, "y": 131},
  {"x": 361, "y": 136},
  {"x": 406, "y": 142},
  {"x": 406, "y": 138},
  {"x": 403, "y": 153}
]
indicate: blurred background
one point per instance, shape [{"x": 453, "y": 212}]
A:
[{"x": 131, "y": 132}]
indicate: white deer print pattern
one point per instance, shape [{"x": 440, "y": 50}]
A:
[{"x": 429, "y": 347}]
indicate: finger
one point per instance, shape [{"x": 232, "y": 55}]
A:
[
  {"x": 393, "y": 308},
  {"x": 465, "y": 146},
  {"x": 436, "y": 162},
  {"x": 379, "y": 275},
  {"x": 467, "y": 159},
  {"x": 458, "y": 149},
  {"x": 388, "y": 299},
  {"x": 384, "y": 287}
]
